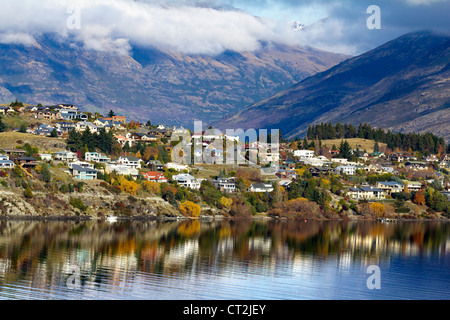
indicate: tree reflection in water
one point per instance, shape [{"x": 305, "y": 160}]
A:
[{"x": 41, "y": 253}]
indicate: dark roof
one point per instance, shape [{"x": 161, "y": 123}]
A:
[
  {"x": 131, "y": 158},
  {"x": 82, "y": 169}
]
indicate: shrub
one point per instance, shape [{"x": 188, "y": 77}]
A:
[
  {"x": 64, "y": 188},
  {"x": 28, "y": 193},
  {"x": 190, "y": 209},
  {"x": 78, "y": 203}
]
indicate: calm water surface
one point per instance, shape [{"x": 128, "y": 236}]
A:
[{"x": 223, "y": 260}]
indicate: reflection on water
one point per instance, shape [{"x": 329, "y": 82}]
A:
[{"x": 223, "y": 260}]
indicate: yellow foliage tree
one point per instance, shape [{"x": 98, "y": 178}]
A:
[
  {"x": 226, "y": 202},
  {"x": 325, "y": 183},
  {"x": 190, "y": 209},
  {"x": 300, "y": 171},
  {"x": 130, "y": 187},
  {"x": 377, "y": 209},
  {"x": 151, "y": 186}
]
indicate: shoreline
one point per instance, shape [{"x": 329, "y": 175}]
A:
[{"x": 202, "y": 218}]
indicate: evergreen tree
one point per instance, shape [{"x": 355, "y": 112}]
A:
[
  {"x": 376, "y": 147},
  {"x": 3, "y": 126},
  {"x": 46, "y": 175},
  {"x": 345, "y": 151}
]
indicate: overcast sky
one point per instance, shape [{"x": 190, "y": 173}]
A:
[{"x": 212, "y": 26}]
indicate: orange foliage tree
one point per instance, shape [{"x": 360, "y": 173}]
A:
[{"x": 419, "y": 199}]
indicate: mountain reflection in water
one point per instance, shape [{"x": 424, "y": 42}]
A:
[{"x": 223, "y": 260}]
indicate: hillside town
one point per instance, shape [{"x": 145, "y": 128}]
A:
[{"x": 294, "y": 180}]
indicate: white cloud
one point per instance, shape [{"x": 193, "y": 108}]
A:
[
  {"x": 112, "y": 24},
  {"x": 17, "y": 38},
  {"x": 188, "y": 27}
]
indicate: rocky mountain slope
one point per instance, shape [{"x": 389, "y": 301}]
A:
[
  {"x": 403, "y": 85},
  {"x": 148, "y": 83}
]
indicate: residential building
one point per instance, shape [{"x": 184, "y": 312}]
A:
[
  {"x": 83, "y": 125},
  {"x": 129, "y": 161},
  {"x": 348, "y": 170},
  {"x": 366, "y": 193},
  {"x": 6, "y": 164},
  {"x": 46, "y": 130},
  {"x": 176, "y": 166},
  {"x": 143, "y": 137},
  {"x": 154, "y": 176},
  {"x": 49, "y": 115},
  {"x": 306, "y": 154},
  {"x": 123, "y": 140},
  {"x": 261, "y": 187},
  {"x": 26, "y": 162},
  {"x": 81, "y": 164},
  {"x": 83, "y": 173},
  {"x": 155, "y": 165},
  {"x": 412, "y": 185},
  {"x": 227, "y": 185},
  {"x": 416, "y": 165},
  {"x": 69, "y": 114},
  {"x": 121, "y": 119},
  {"x": 317, "y": 171},
  {"x": 65, "y": 126},
  {"x": 96, "y": 157},
  {"x": 14, "y": 152},
  {"x": 390, "y": 187},
  {"x": 187, "y": 180},
  {"x": 122, "y": 170},
  {"x": 286, "y": 174},
  {"x": 339, "y": 160},
  {"x": 316, "y": 161},
  {"x": 65, "y": 156},
  {"x": 45, "y": 156}
]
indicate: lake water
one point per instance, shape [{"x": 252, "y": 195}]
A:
[{"x": 251, "y": 260}]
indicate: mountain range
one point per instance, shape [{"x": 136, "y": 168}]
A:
[
  {"x": 402, "y": 85},
  {"x": 152, "y": 84}
]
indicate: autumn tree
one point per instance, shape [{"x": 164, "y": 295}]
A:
[
  {"x": 151, "y": 186},
  {"x": 419, "y": 199},
  {"x": 377, "y": 209},
  {"x": 226, "y": 202},
  {"x": 190, "y": 209}
]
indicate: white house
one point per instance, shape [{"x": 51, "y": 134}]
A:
[
  {"x": 366, "y": 193},
  {"x": 176, "y": 166},
  {"x": 6, "y": 164},
  {"x": 306, "y": 154},
  {"x": 121, "y": 170},
  {"x": 4, "y": 157},
  {"x": 129, "y": 161},
  {"x": 187, "y": 180},
  {"x": 65, "y": 156},
  {"x": 227, "y": 185},
  {"x": 348, "y": 170},
  {"x": 83, "y": 125},
  {"x": 45, "y": 156},
  {"x": 261, "y": 187},
  {"x": 81, "y": 164},
  {"x": 339, "y": 160},
  {"x": 96, "y": 157}
]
